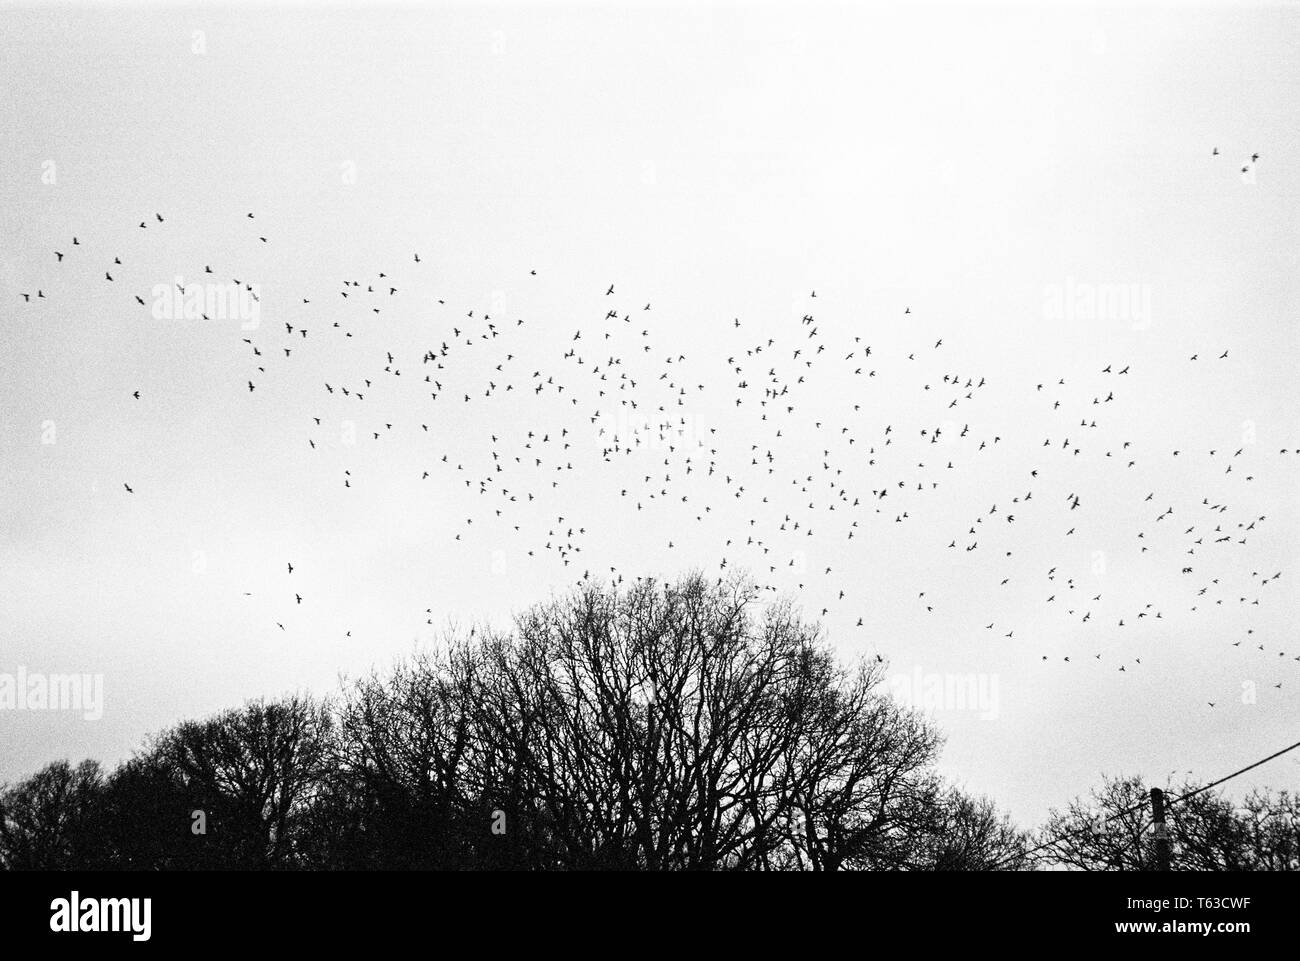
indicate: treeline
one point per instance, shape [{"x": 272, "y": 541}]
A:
[{"x": 665, "y": 727}]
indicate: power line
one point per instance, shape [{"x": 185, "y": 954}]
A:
[
  {"x": 1143, "y": 803},
  {"x": 1235, "y": 773}
]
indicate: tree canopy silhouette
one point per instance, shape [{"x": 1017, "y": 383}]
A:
[
  {"x": 661, "y": 726},
  {"x": 1111, "y": 830}
]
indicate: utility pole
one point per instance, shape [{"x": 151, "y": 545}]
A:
[{"x": 1159, "y": 829}]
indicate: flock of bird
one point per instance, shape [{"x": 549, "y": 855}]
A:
[
  {"x": 1254, "y": 159},
  {"x": 731, "y": 446}
]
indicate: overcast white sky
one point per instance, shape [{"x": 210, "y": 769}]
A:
[{"x": 719, "y": 163}]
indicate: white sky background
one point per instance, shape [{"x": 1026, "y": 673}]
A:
[{"x": 717, "y": 162}]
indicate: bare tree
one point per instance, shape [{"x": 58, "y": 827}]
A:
[
  {"x": 870, "y": 787},
  {"x": 1112, "y": 830},
  {"x": 146, "y": 820},
  {"x": 970, "y": 834},
  {"x": 678, "y": 726},
  {"x": 254, "y": 771},
  {"x": 402, "y": 744},
  {"x": 665, "y": 726},
  {"x": 45, "y": 820}
]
